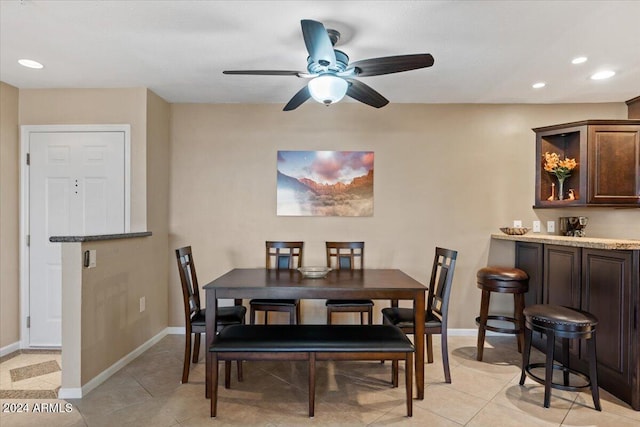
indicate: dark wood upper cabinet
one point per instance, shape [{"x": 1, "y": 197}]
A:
[{"x": 608, "y": 156}]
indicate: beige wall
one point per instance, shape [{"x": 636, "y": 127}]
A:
[
  {"x": 157, "y": 277},
  {"x": 446, "y": 175},
  {"x": 129, "y": 269},
  {"x": 112, "y": 325},
  {"x": 9, "y": 221}
]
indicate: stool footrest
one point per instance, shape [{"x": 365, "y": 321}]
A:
[
  {"x": 558, "y": 386},
  {"x": 498, "y": 329}
]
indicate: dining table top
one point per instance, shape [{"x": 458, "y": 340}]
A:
[{"x": 393, "y": 280}]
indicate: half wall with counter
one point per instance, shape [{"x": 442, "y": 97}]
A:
[
  {"x": 601, "y": 276},
  {"x": 104, "y": 322}
]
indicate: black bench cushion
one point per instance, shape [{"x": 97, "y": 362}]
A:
[{"x": 311, "y": 338}]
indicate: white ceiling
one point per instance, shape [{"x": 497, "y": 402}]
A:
[{"x": 485, "y": 51}]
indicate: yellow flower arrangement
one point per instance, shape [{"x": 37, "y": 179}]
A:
[{"x": 560, "y": 168}]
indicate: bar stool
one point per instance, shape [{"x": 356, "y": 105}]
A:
[
  {"x": 566, "y": 323},
  {"x": 502, "y": 280}
]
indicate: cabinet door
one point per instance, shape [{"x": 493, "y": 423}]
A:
[
  {"x": 607, "y": 294},
  {"x": 561, "y": 276},
  {"x": 614, "y": 164},
  {"x": 562, "y": 283},
  {"x": 529, "y": 258}
]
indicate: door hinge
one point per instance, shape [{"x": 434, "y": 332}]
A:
[
  {"x": 28, "y": 321},
  {"x": 28, "y": 159},
  {"x": 28, "y": 240}
]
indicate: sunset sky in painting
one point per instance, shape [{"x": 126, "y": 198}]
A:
[{"x": 325, "y": 167}]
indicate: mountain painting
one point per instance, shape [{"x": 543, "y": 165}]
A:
[{"x": 325, "y": 183}]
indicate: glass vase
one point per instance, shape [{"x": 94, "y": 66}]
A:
[{"x": 561, "y": 188}]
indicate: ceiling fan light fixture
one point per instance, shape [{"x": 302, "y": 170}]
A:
[{"x": 328, "y": 89}]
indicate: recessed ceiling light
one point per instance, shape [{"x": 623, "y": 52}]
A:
[
  {"x": 538, "y": 85},
  {"x": 579, "y": 60},
  {"x": 30, "y": 63},
  {"x": 601, "y": 75}
]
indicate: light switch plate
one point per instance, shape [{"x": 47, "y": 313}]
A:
[
  {"x": 517, "y": 223},
  {"x": 92, "y": 258},
  {"x": 536, "y": 226},
  {"x": 551, "y": 226}
]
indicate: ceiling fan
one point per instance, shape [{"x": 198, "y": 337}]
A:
[{"x": 332, "y": 76}]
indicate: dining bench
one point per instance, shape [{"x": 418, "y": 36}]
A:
[{"x": 311, "y": 343}]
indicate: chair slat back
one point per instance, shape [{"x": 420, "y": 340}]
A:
[
  {"x": 189, "y": 280},
  {"x": 284, "y": 255},
  {"x": 444, "y": 264},
  {"x": 345, "y": 255}
]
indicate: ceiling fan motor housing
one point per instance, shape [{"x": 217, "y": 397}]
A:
[{"x": 320, "y": 67}]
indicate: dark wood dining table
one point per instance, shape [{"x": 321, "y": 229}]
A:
[{"x": 248, "y": 283}]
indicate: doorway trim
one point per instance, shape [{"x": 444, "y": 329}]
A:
[{"x": 25, "y": 131}]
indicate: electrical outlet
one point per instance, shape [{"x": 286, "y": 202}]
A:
[
  {"x": 143, "y": 303},
  {"x": 517, "y": 223},
  {"x": 551, "y": 226},
  {"x": 536, "y": 226}
]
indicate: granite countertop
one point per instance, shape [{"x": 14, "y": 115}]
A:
[
  {"x": 579, "y": 242},
  {"x": 97, "y": 237}
]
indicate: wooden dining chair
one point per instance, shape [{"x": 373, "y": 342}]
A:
[
  {"x": 437, "y": 308},
  {"x": 195, "y": 314},
  {"x": 347, "y": 256},
  {"x": 280, "y": 256}
]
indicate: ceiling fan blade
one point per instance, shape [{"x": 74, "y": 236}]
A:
[
  {"x": 318, "y": 43},
  {"x": 363, "y": 93},
  {"x": 264, "y": 72},
  {"x": 298, "y": 99},
  {"x": 391, "y": 64}
]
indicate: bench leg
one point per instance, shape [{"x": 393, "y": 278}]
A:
[
  {"x": 408, "y": 378},
  {"x": 213, "y": 385},
  {"x": 312, "y": 384}
]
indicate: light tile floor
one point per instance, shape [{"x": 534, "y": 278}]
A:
[
  {"x": 33, "y": 382},
  {"x": 147, "y": 392}
]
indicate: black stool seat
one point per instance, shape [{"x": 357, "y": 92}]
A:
[
  {"x": 566, "y": 323},
  {"x": 502, "y": 274},
  {"x": 502, "y": 280},
  {"x": 560, "y": 319}
]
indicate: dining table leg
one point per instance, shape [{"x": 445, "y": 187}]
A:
[
  {"x": 210, "y": 318},
  {"x": 418, "y": 310}
]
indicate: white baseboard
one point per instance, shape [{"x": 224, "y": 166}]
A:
[
  {"x": 77, "y": 393},
  {"x": 462, "y": 332},
  {"x": 8, "y": 349},
  {"x": 175, "y": 330},
  {"x": 69, "y": 393}
]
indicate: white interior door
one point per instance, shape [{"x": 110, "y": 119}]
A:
[{"x": 76, "y": 187}]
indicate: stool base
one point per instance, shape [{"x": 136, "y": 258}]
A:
[{"x": 591, "y": 379}]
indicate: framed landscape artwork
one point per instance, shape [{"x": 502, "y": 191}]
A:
[{"x": 325, "y": 183}]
